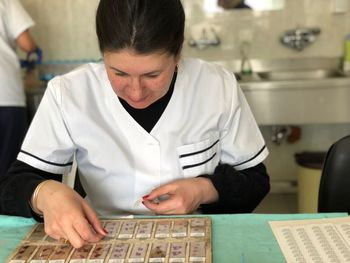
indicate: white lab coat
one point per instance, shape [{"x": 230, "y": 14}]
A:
[
  {"x": 206, "y": 121},
  {"x": 14, "y": 20}
]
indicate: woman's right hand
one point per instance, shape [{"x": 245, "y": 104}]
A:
[{"x": 67, "y": 215}]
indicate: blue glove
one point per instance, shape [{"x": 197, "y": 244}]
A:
[{"x": 30, "y": 64}]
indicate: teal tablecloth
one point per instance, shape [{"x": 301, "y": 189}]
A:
[{"x": 240, "y": 238}]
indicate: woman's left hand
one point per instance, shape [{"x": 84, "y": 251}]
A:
[{"x": 181, "y": 196}]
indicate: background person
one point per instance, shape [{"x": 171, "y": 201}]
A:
[
  {"x": 14, "y": 25},
  {"x": 233, "y": 4},
  {"x": 144, "y": 123}
]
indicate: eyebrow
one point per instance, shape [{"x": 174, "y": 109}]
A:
[{"x": 144, "y": 74}]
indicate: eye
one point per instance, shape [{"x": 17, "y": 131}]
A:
[
  {"x": 152, "y": 76},
  {"x": 120, "y": 74}
]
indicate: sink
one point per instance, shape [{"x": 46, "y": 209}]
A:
[
  {"x": 290, "y": 70},
  {"x": 317, "y": 74},
  {"x": 300, "y": 74},
  {"x": 296, "y": 91}
]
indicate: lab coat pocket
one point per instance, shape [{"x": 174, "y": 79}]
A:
[{"x": 199, "y": 158}]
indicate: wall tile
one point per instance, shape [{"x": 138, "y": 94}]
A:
[{"x": 65, "y": 29}]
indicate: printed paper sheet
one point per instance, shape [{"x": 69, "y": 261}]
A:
[{"x": 314, "y": 241}]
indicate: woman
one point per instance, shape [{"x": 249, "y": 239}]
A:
[
  {"x": 145, "y": 123},
  {"x": 14, "y": 25}
]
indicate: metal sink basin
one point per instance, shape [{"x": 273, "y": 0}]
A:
[
  {"x": 290, "y": 70},
  {"x": 300, "y": 75},
  {"x": 296, "y": 91},
  {"x": 317, "y": 74}
]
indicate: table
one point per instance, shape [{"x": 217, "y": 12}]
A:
[{"x": 237, "y": 238}]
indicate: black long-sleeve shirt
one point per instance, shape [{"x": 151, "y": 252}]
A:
[{"x": 239, "y": 191}]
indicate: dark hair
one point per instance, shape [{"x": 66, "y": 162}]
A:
[{"x": 146, "y": 26}]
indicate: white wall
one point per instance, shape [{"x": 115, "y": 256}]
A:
[
  {"x": 65, "y": 29},
  {"x": 267, "y": 26}
]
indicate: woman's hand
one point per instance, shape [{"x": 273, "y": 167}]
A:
[
  {"x": 67, "y": 215},
  {"x": 181, "y": 197}
]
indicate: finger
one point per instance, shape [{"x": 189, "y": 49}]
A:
[
  {"x": 160, "y": 208},
  {"x": 54, "y": 230},
  {"x": 171, "y": 212},
  {"x": 161, "y": 211},
  {"x": 150, "y": 205},
  {"x": 74, "y": 238},
  {"x": 86, "y": 231},
  {"x": 54, "y": 236},
  {"x": 93, "y": 220},
  {"x": 158, "y": 192}
]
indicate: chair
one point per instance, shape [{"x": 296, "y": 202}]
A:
[{"x": 334, "y": 191}]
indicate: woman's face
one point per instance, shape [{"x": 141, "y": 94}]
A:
[{"x": 138, "y": 79}]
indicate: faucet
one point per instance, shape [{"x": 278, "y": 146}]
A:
[
  {"x": 246, "y": 67},
  {"x": 291, "y": 133},
  {"x": 279, "y": 133},
  {"x": 299, "y": 38},
  {"x": 204, "y": 40}
]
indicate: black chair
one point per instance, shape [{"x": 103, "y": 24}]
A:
[{"x": 334, "y": 191}]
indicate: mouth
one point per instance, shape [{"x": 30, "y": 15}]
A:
[
  {"x": 139, "y": 103},
  {"x": 138, "y": 100}
]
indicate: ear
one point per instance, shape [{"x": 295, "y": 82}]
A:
[{"x": 177, "y": 58}]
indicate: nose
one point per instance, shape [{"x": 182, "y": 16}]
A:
[{"x": 135, "y": 88}]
